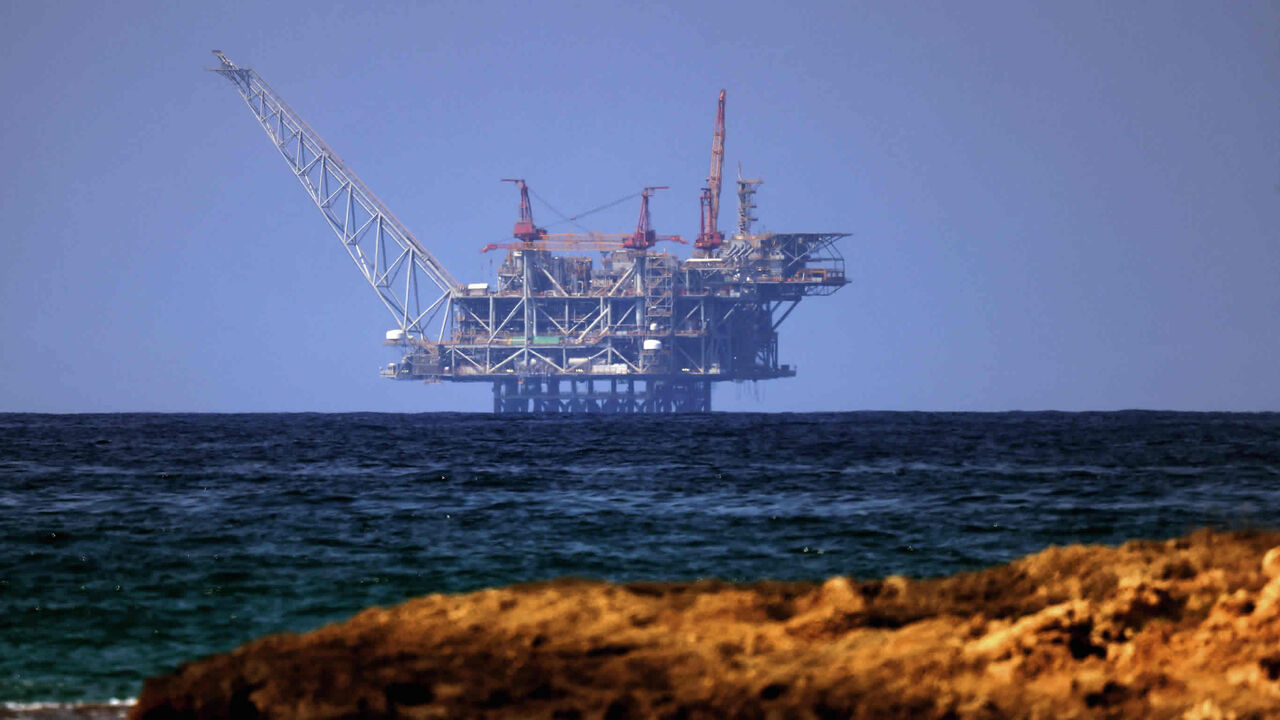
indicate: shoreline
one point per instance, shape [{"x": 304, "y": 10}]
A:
[{"x": 1188, "y": 627}]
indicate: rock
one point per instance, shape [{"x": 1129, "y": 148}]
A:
[
  {"x": 1151, "y": 629},
  {"x": 1207, "y": 710},
  {"x": 1271, "y": 563},
  {"x": 1267, "y": 606},
  {"x": 839, "y": 593}
]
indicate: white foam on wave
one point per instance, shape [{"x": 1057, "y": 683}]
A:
[
  {"x": 109, "y": 709},
  {"x": 109, "y": 702}
]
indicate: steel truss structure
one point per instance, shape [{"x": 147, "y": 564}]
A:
[
  {"x": 628, "y": 330},
  {"x": 550, "y": 395},
  {"x": 391, "y": 259}
]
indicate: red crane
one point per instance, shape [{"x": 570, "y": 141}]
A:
[
  {"x": 532, "y": 237},
  {"x": 644, "y": 237},
  {"x": 578, "y": 242},
  {"x": 525, "y": 229},
  {"x": 710, "y": 238}
]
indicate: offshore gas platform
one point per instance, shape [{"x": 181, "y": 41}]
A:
[{"x": 613, "y": 326}]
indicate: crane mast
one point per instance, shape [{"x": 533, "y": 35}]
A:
[
  {"x": 709, "y": 237},
  {"x": 391, "y": 259},
  {"x": 525, "y": 230},
  {"x": 644, "y": 237}
]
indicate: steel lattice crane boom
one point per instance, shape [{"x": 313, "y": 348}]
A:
[
  {"x": 391, "y": 259},
  {"x": 709, "y": 236}
]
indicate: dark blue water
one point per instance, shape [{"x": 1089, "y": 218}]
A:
[{"x": 129, "y": 543}]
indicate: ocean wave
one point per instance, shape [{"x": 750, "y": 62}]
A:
[{"x": 109, "y": 709}]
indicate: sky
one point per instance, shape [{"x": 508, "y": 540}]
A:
[{"x": 1069, "y": 206}]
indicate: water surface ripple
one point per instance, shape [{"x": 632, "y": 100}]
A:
[{"x": 133, "y": 542}]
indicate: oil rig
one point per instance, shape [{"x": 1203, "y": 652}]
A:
[{"x": 572, "y": 322}]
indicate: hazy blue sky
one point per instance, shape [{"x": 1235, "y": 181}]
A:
[{"x": 1074, "y": 206}]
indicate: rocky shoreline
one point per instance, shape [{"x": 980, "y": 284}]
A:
[{"x": 1185, "y": 628}]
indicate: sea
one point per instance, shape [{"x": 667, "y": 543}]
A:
[{"x": 130, "y": 543}]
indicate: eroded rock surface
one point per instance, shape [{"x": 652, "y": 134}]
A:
[{"x": 1188, "y": 628}]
